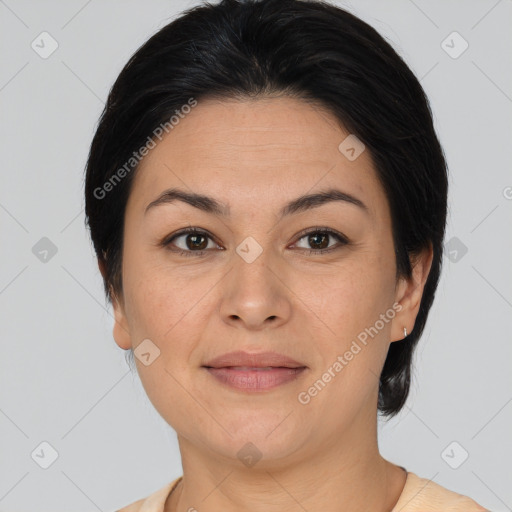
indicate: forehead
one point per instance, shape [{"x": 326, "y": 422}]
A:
[{"x": 255, "y": 149}]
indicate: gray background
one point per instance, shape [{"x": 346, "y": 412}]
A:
[{"x": 64, "y": 381}]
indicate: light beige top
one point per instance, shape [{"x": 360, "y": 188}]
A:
[{"x": 418, "y": 495}]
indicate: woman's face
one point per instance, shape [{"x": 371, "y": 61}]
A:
[{"x": 250, "y": 283}]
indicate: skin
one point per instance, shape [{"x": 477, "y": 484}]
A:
[{"x": 255, "y": 156}]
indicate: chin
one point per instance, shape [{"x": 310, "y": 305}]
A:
[{"x": 269, "y": 437}]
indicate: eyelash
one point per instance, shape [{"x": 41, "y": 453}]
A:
[{"x": 338, "y": 236}]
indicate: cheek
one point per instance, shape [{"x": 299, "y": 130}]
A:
[
  {"x": 353, "y": 296},
  {"x": 350, "y": 305},
  {"x": 157, "y": 296},
  {"x": 164, "y": 309},
  {"x": 355, "y": 338},
  {"x": 161, "y": 303}
]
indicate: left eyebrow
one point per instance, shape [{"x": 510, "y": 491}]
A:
[
  {"x": 210, "y": 205},
  {"x": 310, "y": 201}
]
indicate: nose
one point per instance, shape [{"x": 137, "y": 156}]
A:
[{"x": 255, "y": 295}]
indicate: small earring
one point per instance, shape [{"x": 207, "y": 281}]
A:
[{"x": 405, "y": 332}]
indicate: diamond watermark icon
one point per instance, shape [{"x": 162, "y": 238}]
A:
[
  {"x": 44, "y": 250},
  {"x": 454, "y": 455},
  {"x": 44, "y": 45},
  {"x": 146, "y": 352},
  {"x": 249, "y": 454},
  {"x": 455, "y": 249},
  {"x": 249, "y": 249},
  {"x": 454, "y": 45},
  {"x": 44, "y": 455},
  {"x": 351, "y": 147}
]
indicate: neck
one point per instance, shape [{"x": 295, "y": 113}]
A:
[{"x": 346, "y": 470}]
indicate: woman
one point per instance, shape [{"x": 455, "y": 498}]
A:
[{"x": 266, "y": 196}]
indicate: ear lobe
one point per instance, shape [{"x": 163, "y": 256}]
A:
[
  {"x": 410, "y": 292},
  {"x": 121, "y": 331}
]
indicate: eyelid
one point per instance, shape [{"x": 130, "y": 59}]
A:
[
  {"x": 321, "y": 229},
  {"x": 315, "y": 229},
  {"x": 187, "y": 231},
  {"x": 341, "y": 239}
]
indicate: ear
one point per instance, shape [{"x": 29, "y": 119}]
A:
[
  {"x": 121, "y": 329},
  {"x": 409, "y": 292}
]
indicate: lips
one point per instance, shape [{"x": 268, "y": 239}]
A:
[
  {"x": 246, "y": 361},
  {"x": 248, "y": 372}
]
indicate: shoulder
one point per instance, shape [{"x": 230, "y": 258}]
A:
[
  {"x": 134, "y": 507},
  {"x": 420, "y": 494},
  {"x": 154, "y": 502}
]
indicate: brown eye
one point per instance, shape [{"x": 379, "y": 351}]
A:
[
  {"x": 319, "y": 240},
  {"x": 196, "y": 241},
  {"x": 190, "y": 242}
]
